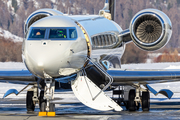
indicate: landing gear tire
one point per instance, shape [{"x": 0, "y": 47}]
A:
[
  {"x": 51, "y": 107},
  {"x": 126, "y": 105},
  {"x": 131, "y": 102},
  {"x": 145, "y": 101},
  {"x": 43, "y": 107},
  {"x": 29, "y": 101},
  {"x": 43, "y": 104}
]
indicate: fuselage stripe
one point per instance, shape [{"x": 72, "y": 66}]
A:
[{"x": 87, "y": 41}]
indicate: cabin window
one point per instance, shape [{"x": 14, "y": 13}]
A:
[
  {"x": 72, "y": 33},
  {"x": 58, "y": 33},
  {"x": 37, "y": 33}
]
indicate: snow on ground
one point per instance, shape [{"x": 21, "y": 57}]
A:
[
  {"x": 12, "y": 65},
  {"x": 8, "y": 35},
  {"x": 168, "y": 65},
  {"x": 6, "y": 86},
  {"x": 68, "y": 95}
]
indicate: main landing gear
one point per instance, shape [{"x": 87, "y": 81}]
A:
[
  {"x": 145, "y": 101},
  {"x": 131, "y": 104},
  {"x": 44, "y": 99},
  {"x": 132, "y": 99},
  {"x": 30, "y": 106},
  {"x": 32, "y": 98}
]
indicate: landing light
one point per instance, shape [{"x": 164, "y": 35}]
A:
[{"x": 40, "y": 64}]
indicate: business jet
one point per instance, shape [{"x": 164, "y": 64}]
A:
[{"x": 85, "y": 50}]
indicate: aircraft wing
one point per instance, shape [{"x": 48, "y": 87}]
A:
[
  {"x": 144, "y": 76},
  {"x": 16, "y": 76}
]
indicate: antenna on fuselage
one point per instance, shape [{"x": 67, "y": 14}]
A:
[{"x": 109, "y": 9}]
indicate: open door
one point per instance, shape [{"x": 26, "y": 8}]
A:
[{"x": 85, "y": 90}]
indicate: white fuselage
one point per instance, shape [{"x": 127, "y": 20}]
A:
[{"x": 96, "y": 37}]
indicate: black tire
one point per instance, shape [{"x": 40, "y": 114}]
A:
[
  {"x": 145, "y": 101},
  {"x": 29, "y": 101},
  {"x": 131, "y": 102},
  {"x": 51, "y": 107},
  {"x": 43, "y": 107},
  {"x": 42, "y": 102},
  {"x": 126, "y": 105}
]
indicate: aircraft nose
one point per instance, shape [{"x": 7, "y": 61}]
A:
[
  {"x": 53, "y": 57},
  {"x": 47, "y": 55}
]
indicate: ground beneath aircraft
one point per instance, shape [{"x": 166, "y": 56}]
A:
[{"x": 12, "y": 109}]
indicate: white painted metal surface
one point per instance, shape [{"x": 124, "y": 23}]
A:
[{"x": 85, "y": 90}]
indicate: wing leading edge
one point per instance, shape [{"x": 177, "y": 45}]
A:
[
  {"x": 19, "y": 76},
  {"x": 143, "y": 76}
]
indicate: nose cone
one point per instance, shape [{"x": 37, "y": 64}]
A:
[
  {"x": 49, "y": 57},
  {"x": 55, "y": 58}
]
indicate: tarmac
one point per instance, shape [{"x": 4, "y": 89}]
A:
[{"x": 15, "y": 109}]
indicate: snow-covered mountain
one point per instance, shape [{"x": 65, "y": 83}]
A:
[{"x": 7, "y": 35}]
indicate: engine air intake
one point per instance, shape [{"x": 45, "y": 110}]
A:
[
  {"x": 148, "y": 29},
  {"x": 39, "y": 14}
]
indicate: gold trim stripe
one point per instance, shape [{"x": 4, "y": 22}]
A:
[{"x": 87, "y": 41}]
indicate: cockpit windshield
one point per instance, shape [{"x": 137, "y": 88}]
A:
[
  {"x": 58, "y": 33},
  {"x": 69, "y": 33},
  {"x": 37, "y": 33}
]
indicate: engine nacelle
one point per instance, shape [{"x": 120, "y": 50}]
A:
[
  {"x": 150, "y": 29},
  {"x": 39, "y": 14}
]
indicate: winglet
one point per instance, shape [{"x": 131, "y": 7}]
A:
[
  {"x": 11, "y": 91},
  {"x": 165, "y": 92}
]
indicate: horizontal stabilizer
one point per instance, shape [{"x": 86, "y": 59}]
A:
[
  {"x": 165, "y": 92},
  {"x": 85, "y": 90}
]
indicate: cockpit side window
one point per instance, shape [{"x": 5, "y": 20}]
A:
[
  {"x": 72, "y": 33},
  {"x": 37, "y": 33},
  {"x": 58, "y": 33}
]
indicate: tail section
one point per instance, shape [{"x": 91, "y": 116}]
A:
[
  {"x": 112, "y": 9},
  {"x": 109, "y": 10}
]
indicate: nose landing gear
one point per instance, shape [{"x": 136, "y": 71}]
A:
[
  {"x": 43, "y": 103},
  {"x": 46, "y": 107},
  {"x": 46, "y": 95}
]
